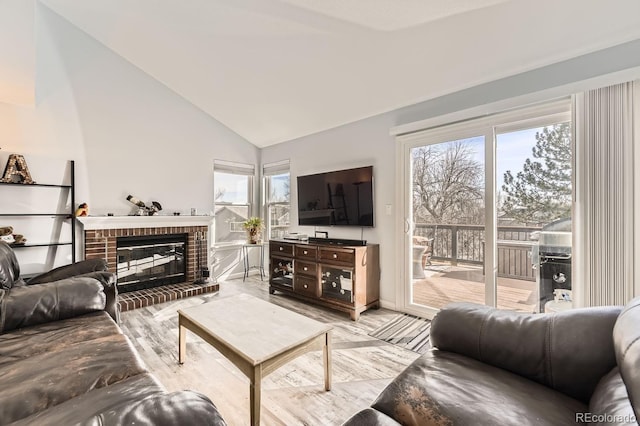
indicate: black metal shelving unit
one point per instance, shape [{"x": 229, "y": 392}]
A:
[{"x": 68, "y": 215}]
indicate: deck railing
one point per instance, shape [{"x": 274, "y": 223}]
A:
[{"x": 465, "y": 244}]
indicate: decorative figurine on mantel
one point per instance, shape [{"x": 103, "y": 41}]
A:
[
  {"x": 143, "y": 209},
  {"x": 82, "y": 210}
]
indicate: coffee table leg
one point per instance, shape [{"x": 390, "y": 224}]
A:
[
  {"x": 254, "y": 395},
  {"x": 182, "y": 343},
  {"x": 326, "y": 351}
]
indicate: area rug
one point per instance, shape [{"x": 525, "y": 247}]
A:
[{"x": 407, "y": 331}]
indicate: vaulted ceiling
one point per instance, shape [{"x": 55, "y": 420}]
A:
[{"x": 276, "y": 70}]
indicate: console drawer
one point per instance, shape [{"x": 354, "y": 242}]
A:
[
  {"x": 306, "y": 252},
  {"x": 338, "y": 255},
  {"x": 307, "y": 286},
  {"x": 280, "y": 249},
  {"x": 306, "y": 268}
]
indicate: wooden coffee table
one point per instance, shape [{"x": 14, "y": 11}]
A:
[{"x": 256, "y": 336}]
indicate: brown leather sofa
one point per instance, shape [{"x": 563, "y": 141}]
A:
[
  {"x": 64, "y": 360},
  {"x": 492, "y": 367}
]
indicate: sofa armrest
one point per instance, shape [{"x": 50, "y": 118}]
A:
[
  {"x": 108, "y": 281},
  {"x": 569, "y": 351},
  {"x": 68, "y": 271},
  {"x": 176, "y": 408},
  {"x": 38, "y": 304},
  {"x": 626, "y": 340}
]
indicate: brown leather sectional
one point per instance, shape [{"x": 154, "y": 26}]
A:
[
  {"x": 64, "y": 359},
  {"x": 492, "y": 367}
]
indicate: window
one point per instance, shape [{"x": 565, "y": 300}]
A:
[
  {"x": 277, "y": 195},
  {"x": 233, "y": 193}
]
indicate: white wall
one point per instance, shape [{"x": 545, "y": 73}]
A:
[
  {"x": 363, "y": 143},
  {"x": 139, "y": 137},
  {"x": 127, "y": 133},
  {"x": 17, "y": 52}
]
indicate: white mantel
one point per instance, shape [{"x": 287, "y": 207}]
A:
[{"x": 118, "y": 222}]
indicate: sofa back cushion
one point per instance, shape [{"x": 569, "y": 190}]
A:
[
  {"x": 626, "y": 341},
  {"x": 37, "y": 304},
  {"x": 9, "y": 268},
  {"x": 569, "y": 351}
]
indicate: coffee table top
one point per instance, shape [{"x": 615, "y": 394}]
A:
[{"x": 253, "y": 328}]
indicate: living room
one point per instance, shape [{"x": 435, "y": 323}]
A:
[{"x": 134, "y": 121}]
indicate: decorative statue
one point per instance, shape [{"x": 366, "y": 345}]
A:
[
  {"x": 82, "y": 210},
  {"x": 143, "y": 209}
]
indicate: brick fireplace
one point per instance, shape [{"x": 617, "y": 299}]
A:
[{"x": 100, "y": 241}]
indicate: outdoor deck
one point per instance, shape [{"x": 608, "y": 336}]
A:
[{"x": 444, "y": 284}]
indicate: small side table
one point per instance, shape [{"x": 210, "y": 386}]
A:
[{"x": 245, "y": 260}]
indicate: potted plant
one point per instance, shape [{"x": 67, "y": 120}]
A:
[{"x": 254, "y": 226}]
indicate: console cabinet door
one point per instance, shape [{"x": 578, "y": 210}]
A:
[
  {"x": 337, "y": 283},
  {"x": 281, "y": 271}
]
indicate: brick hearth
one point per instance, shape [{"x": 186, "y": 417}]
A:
[{"x": 152, "y": 296}]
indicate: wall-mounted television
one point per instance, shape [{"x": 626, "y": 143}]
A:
[{"x": 337, "y": 198}]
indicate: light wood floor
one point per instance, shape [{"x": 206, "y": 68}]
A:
[
  {"x": 293, "y": 395},
  {"x": 466, "y": 284}
]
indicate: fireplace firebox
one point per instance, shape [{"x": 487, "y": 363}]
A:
[{"x": 147, "y": 261}]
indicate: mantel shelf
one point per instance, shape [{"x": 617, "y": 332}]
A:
[{"x": 156, "y": 221}]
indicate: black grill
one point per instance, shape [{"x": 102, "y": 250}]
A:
[{"x": 554, "y": 250}]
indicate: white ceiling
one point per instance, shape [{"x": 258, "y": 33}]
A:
[
  {"x": 391, "y": 15},
  {"x": 276, "y": 70}
]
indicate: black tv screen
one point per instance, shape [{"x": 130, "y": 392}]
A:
[{"x": 338, "y": 198}]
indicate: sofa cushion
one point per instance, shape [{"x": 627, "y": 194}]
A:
[
  {"x": 610, "y": 402},
  {"x": 626, "y": 341},
  {"x": 568, "y": 351},
  {"x": 37, "y": 304},
  {"x": 54, "y": 336},
  {"x": 445, "y": 388},
  {"x": 78, "y": 410},
  {"x": 139, "y": 400},
  {"x": 41, "y": 380}
]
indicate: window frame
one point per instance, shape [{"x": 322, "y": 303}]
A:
[
  {"x": 239, "y": 169},
  {"x": 268, "y": 172}
]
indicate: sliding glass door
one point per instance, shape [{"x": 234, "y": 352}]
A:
[
  {"x": 448, "y": 217},
  {"x": 476, "y": 197},
  {"x": 533, "y": 184}
]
